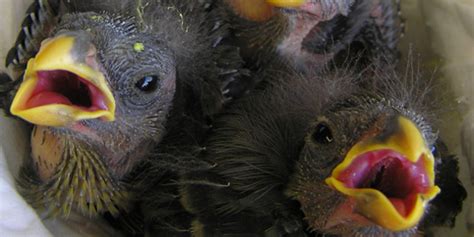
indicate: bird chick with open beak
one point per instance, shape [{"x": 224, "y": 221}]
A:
[
  {"x": 321, "y": 155},
  {"x": 102, "y": 83},
  {"x": 309, "y": 33}
]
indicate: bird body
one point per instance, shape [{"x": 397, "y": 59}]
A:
[
  {"x": 103, "y": 82},
  {"x": 154, "y": 73},
  {"x": 278, "y": 157},
  {"x": 311, "y": 33}
]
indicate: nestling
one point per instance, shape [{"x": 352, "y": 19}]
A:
[
  {"x": 103, "y": 82},
  {"x": 318, "y": 155},
  {"x": 309, "y": 33}
]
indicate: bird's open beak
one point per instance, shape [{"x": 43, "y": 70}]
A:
[
  {"x": 390, "y": 177},
  {"x": 62, "y": 86},
  {"x": 261, "y": 10},
  {"x": 286, "y": 3}
]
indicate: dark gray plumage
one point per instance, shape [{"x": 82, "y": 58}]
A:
[
  {"x": 312, "y": 34},
  {"x": 271, "y": 152},
  {"x": 163, "y": 63},
  {"x": 315, "y": 35}
]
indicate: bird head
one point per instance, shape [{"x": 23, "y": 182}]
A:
[
  {"x": 366, "y": 167},
  {"x": 98, "y": 92},
  {"x": 335, "y": 153}
]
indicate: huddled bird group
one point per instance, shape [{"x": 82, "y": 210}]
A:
[{"x": 229, "y": 118}]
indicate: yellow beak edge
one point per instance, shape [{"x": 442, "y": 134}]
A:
[
  {"x": 372, "y": 203},
  {"x": 286, "y": 3},
  {"x": 261, "y": 10}
]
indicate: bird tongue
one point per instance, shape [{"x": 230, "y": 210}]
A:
[
  {"x": 63, "y": 87},
  {"x": 345, "y": 212},
  {"x": 47, "y": 97},
  {"x": 399, "y": 205}
]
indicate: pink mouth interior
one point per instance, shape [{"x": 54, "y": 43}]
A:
[
  {"x": 390, "y": 173},
  {"x": 63, "y": 87}
]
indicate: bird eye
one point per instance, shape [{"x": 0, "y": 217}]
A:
[
  {"x": 323, "y": 134},
  {"x": 148, "y": 83},
  {"x": 433, "y": 150}
]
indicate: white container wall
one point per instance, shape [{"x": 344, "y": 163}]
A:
[{"x": 441, "y": 30}]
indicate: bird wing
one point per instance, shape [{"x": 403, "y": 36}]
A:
[{"x": 41, "y": 17}]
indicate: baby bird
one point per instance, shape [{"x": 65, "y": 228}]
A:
[
  {"x": 319, "y": 155},
  {"x": 309, "y": 33},
  {"x": 102, "y": 83}
]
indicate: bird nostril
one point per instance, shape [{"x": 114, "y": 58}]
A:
[{"x": 90, "y": 58}]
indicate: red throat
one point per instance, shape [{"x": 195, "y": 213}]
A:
[
  {"x": 390, "y": 173},
  {"x": 63, "y": 87}
]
